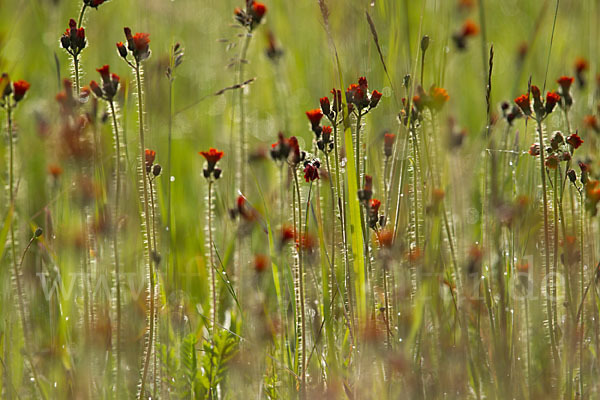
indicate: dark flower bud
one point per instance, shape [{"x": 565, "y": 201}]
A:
[
  {"x": 424, "y": 43},
  {"x": 96, "y": 88},
  {"x": 122, "y": 49},
  {"x": 325, "y": 105},
  {"x": 375, "y": 97},
  {"x": 65, "y": 42},
  {"x": 206, "y": 173},
  {"x": 38, "y": 232},
  {"x": 556, "y": 140},
  {"x": 156, "y": 170},
  {"x": 217, "y": 173},
  {"x": 572, "y": 175},
  {"x": 388, "y": 144}
]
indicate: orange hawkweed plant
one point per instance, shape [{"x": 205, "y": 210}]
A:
[{"x": 212, "y": 173}]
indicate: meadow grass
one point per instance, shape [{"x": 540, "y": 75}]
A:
[{"x": 422, "y": 247}]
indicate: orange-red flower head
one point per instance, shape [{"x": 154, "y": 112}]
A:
[
  {"x": 212, "y": 156},
  {"x": 552, "y": 98},
  {"x": 314, "y": 116},
  {"x": 574, "y": 140},
  {"x": 469, "y": 28},
  {"x": 19, "y": 90},
  {"x": 138, "y": 44},
  {"x": 524, "y": 103}
]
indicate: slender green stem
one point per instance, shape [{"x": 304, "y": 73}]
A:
[
  {"x": 358, "y": 164},
  {"x": 301, "y": 284},
  {"x": 116, "y": 240},
  {"x": 581, "y": 267},
  {"x": 242, "y": 141},
  {"x": 333, "y": 244},
  {"x": 213, "y": 278},
  {"x": 546, "y": 240},
  {"x": 80, "y": 20},
  {"x": 76, "y": 66},
  {"x": 148, "y": 225}
]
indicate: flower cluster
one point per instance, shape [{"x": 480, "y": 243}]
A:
[
  {"x": 311, "y": 170},
  {"x": 110, "y": 84},
  {"x": 73, "y": 40},
  {"x": 17, "y": 89},
  {"x": 510, "y": 113},
  {"x": 434, "y": 100},
  {"x": 252, "y": 16},
  {"x": 155, "y": 169},
  {"x": 560, "y": 149},
  {"x": 138, "y": 45},
  {"x": 287, "y": 150},
  {"x": 540, "y": 108},
  {"x": 357, "y": 95},
  {"x": 375, "y": 219},
  {"x": 212, "y": 156}
]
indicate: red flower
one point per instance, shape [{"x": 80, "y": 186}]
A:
[
  {"x": 524, "y": 103},
  {"x": 212, "y": 157},
  {"x": 469, "y": 28},
  {"x": 552, "y": 161},
  {"x": 565, "y": 83},
  {"x": 96, "y": 3},
  {"x": 591, "y": 121},
  {"x": 375, "y": 97},
  {"x": 150, "y": 155},
  {"x": 258, "y": 10},
  {"x": 534, "y": 150},
  {"x": 375, "y": 204},
  {"x": 574, "y": 140},
  {"x": 439, "y": 96},
  {"x": 362, "y": 83},
  {"x": 138, "y": 44},
  {"x": 141, "y": 41},
  {"x": 327, "y": 130},
  {"x": 287, "y": 234},
  {"x": 311, "y": 171},
  {"x": 314, "y": 116},
  {"x": 385, "y": 238},
  {"x": 55, "y": 170},
  {"x": 295, "y": 156},
  {"x": 388, "y": 144},
  {"x": 20, "y": 88},
  {"x": 260, "y": 262},
  {"x": 104, "y": 73},
  {"x": 581, "y": 65},
  {"x": 96, "y": 89},
  {"x": 325, "y": 105},
  {"x": 551, "y": 99}
]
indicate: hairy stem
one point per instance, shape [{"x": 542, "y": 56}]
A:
[
  {"x": 213, "y": 279},
  {"x": 116, "y": 240},
  {"x": 546, "y": 240},
  {"x": 299, "y": 244},
  {"x": 148, "y": 225}
]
